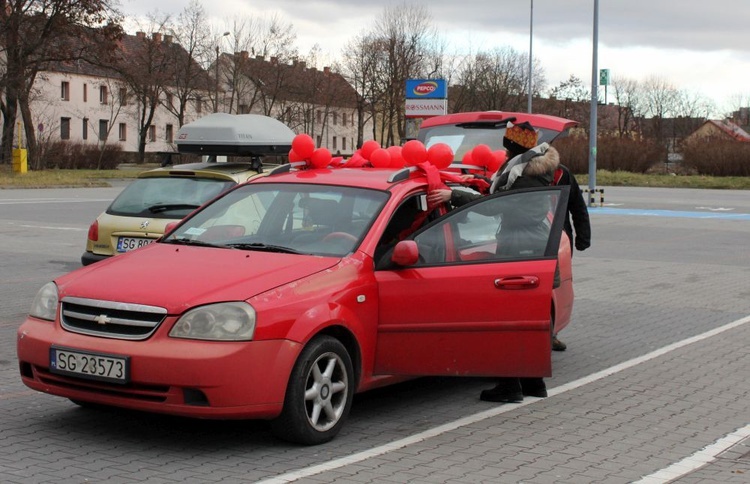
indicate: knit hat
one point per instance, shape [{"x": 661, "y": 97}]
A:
[{"x": 519, "y": 138}]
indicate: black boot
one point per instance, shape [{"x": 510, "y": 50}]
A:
[
  {"x": 533, "y": 387},
  {"x": 507, "y": 390}
]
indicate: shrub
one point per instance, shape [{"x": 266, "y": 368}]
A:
[
  {"x": 613, "y": 154},
  {"x": 73, "y": 156},
  {"x": 718, "y": 157}
]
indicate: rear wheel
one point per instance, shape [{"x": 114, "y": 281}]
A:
[{"x": 319, "y": 394}]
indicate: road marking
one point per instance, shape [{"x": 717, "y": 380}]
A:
[
  {"x": 478, "y": 417},
  {"x": 668, "y": 213},
  {"x": 48, "y": 227},
  {"x": 697, "y": 460},
  {"x": 20, "y": 201}
]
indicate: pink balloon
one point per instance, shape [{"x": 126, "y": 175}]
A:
[
  {"x": 440, "y": 155},
  {"x": 380, "y": 158},
  {"x": 414, "y": 152},
  {"x": 482, "y": 155},
  {"x": 293, "y": 156},
  {"x": 303, "y": 145},
  {"x": 368, "y": 147},
  {"x": 397, "y": 159},
  {"x": 320, "y": 158}
]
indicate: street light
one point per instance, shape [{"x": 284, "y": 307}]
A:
[
  {"x": 594, "y": 102},
  {"x": 531, "y": 42},
  {"x": 216, "y": 90}
]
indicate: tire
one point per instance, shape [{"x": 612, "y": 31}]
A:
[{"x": 319, "y": 394}]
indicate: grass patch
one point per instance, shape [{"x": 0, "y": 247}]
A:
[
  {"x": 65, "y": 178},
  {"x": 606, "y": 178}
]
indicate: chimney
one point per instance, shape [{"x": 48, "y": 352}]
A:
[
  {"x": 274, "y": 60},
  {"x": 326, "y": 70},
  {"x": 167, "y": 39},
  {"x": 244, "y": 55},
  {"x": 156, "y": 36},
  {"x": 259, "y": 57},
  {"x": 302, "y": 64},
  {"x": 140, "y": 35}
]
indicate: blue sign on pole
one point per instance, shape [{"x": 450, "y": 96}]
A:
[{"x": 426, "y": 89}]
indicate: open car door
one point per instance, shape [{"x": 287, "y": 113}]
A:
[{"x": 471, "y": 293}]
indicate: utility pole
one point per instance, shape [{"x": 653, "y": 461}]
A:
[
  {"x": 531, "y": 55},
  {"x": 594, "y": 101}
]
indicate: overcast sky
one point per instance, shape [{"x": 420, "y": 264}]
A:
[{"x": 700, "y": 46}]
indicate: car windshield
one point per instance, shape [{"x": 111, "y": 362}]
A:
[
  {"x": 290, "y": 218},
  {"x": 166, "y": 197},
  {"x": 464, "y": 137}
]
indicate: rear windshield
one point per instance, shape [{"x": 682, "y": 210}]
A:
[{"x": 168, "y": 197}]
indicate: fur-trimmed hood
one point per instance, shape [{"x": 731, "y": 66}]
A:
[{"x": 545, "y": 163}]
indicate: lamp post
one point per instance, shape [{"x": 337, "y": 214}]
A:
[
  {"x": 216, "y": 86},
  {"x": 531, "y": 56},
  {"x": 592, "y": 123}
]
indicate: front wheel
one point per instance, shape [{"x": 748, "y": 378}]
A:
[{"x": 319, "y": 394}]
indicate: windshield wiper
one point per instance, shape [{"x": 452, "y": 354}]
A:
[
  {"x": 265, "y": 247},
  {"x": 186, "y": 241},
  {"x": 163, "y": 207}
]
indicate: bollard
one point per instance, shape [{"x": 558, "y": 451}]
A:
[
  {"x": 20, "y": 163},
  {"x": 592, "y": 199}
]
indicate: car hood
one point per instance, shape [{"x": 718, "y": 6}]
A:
[{"x": 177, "y": 277}]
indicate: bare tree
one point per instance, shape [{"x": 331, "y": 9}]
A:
[
  {"x": 38, "y": 33},
  {"x": 359, "y": 67},
  {"x": 193, "y": 39}
]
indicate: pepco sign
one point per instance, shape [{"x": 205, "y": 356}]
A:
[{"x": 425, "y": 89}]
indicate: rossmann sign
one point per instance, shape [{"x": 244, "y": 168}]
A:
[{"x": 426, "y": 89}]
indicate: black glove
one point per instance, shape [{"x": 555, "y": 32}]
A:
[{"x": 582, "y": 244}]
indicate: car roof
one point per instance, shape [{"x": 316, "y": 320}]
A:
[
  {"x": 537, "y": 120},
  {"x": 229, "y": 170},
  {"x": 360, "y": 177}
]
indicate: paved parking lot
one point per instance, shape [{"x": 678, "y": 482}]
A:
[{"x": 653, "y": 386}]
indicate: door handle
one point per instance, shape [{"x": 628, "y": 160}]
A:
[{"x": 517, "y": 282}]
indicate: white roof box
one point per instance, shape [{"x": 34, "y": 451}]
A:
[{"x": 235, "y": 134}]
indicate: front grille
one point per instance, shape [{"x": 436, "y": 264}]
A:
[{"x": 110, "y": 319}]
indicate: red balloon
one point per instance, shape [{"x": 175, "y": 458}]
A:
[
  {"x": 440, "y": 155},
  {"x": 482, "y": 155},
  {"x": 320, "y": 158},
  {"x": 368, "y": 147},
  {"x": 380, "y": 158},
  {"x": 467, "y": 159},
  {"x": 498, "y": 158},
  {"x": 293, "y": 156},
  {"x": 303, "y": 145},
  {"x": 414, "y": 152},
  {"x": 397, "y": 159}
]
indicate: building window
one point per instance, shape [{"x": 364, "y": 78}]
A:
[
  {"x": 85, "y": 129},
  {"x": 170, "y": 135},
  {"x": 103, "y": 97},
  {"x": 64, "y": 128},
  {"x": 334, "y": 140},
  {"x": 65, "y": 91},
  {"x": 198, "y": 104},
  {"x": 123, "y": 96},
  {"x": 123, "y": 132},
  {"x": 170, "y": 101},
  {"x": 343, "y": 120},
  {"x": 85, "y": 93},
  {"x": 152, "y": 133},
  {"x": 103, "y": 130},
  {"x": 317, "y": 142},
  {"x": 319, "y": 116},
  {"x": 335, "y": 119},
  {"x": 243, "y": 108},
  {"x": 343, "y": 142}
]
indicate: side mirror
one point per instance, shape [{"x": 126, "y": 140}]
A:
[
  {"x": 170, "y": 227},
  {"x": 406, "y": 253}
]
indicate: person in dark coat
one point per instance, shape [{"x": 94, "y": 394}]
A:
[{"x": 529, "y": 166}]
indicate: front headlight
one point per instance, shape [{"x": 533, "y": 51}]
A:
[
  {"x": 229, "y": 321},
  {"x": 45, "y": 302}
]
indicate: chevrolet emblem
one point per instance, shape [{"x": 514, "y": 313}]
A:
[{"x": 102, "y": 319}]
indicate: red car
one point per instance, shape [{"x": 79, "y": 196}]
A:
[{"x": 287, "y": 294}]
